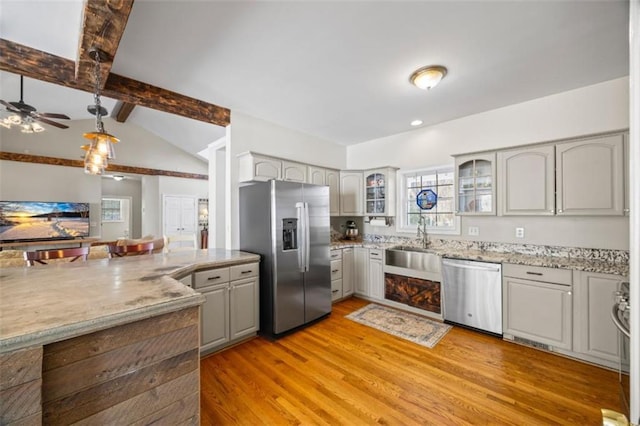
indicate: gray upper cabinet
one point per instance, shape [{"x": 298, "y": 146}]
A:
[
  {"x": 257, "y": 167},
  {"x": 589, "y": 176},
  {"x": 316, "y": 175},
  {"x": 351, "y": 193},
  {"x": 332, "y": 179},
  {"x": 476, "y": 184},
  {"x": 294, "y": 172},
  {"x": 527, "y": 181}
]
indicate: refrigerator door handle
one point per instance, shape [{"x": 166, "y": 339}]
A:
[
  {"x": 307, "y": 237},
  {"x": 302, "y": 236}
]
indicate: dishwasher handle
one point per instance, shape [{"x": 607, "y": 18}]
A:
[{"x": 474, "y": 267}]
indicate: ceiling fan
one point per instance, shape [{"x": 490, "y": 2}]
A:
[{"x": 24, "y": 114}]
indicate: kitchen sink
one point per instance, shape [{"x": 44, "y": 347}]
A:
[{"x": 415, "y": 258}]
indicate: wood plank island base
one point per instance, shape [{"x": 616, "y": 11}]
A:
[{"x": 109, "y": 341}]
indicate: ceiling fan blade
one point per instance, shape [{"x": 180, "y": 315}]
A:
[
  {"x": 53, "y": 115},
  {"x": 9, "y": 106},
  {"x": 51, "y": 123}
]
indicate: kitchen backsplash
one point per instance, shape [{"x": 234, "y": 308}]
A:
[{"x": 605, "y": 255}]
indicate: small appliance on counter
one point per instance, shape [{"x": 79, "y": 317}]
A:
[{"x": 351, "y": 232}]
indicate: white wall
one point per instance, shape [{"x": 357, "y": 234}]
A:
[
  {"x": 36, "y": 182},
  {"x": 127, "y": 188},
  {"x": 137, "y": 147},
  {"x": 247, "y": 133},
  {"x": 593, "y": 109}
]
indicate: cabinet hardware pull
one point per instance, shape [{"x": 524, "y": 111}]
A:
[
  {"x": 246, "y": 272},
  {"x": 534, "y": 273},
  {"x": 335, "y": 270},
  {"x": 334, "y": 291},
  {"x": 217, "y": 277}
]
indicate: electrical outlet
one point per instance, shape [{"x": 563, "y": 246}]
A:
[
  {"x": 473, "y": 230},
  {"x": 519, "y": 232}
]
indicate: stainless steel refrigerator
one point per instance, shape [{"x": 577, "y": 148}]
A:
[{"x": 287, "y": 223}]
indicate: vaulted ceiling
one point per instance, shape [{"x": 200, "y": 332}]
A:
[{"x": 336, "y": 70}]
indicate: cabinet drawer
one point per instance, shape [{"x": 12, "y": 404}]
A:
[
  {"x": 335, "y": 254},
  {"x": 375, "y": 254},
  {"x": 244, "y": 271},
  {"x": 336, "y": 269},
  {"x": 538, "y": 273},
  {"x": 211, "y": 277},
  {"x": 336, "y": 289}
]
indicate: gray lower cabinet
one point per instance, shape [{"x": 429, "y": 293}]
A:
[
  {"x": 594, "y": 334},
  {"x": 347, "y": 271},
  {"x": 537, "y": 305},
  {"x": 376, "y": 274},
  {"x": 361, "y": 271},
  {"x": 231, "y": 309},
  {"x": 336, "y": 274}
]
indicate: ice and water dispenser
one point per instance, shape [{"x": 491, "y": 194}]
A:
[{"x": 289, "y": 234}]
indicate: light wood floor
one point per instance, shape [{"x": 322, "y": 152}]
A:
[{"x": 341, "y": 372}]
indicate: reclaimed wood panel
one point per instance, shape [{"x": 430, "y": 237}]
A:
[
  {"x": 342, "y": 372},
  {"x": 122, "y": 110},
  {"x": 111, "y": 365},
  {"x": 416, "y": 292},
  {"x": 20, "y": 401},
  {"x": 180, "y": 412},
  {"x": 69, "y": 351},
  {"x": 55, "y": 161},
  {"x": 20, "y": 366},
  {"x": 125, "y": 373},
  {"x": 145, "y": 404},
  {"x": 105, "y": 395},
  {"x": 20, "y": 384}
]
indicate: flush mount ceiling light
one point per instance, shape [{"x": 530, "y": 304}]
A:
[
  {"x": 428, "y": 77},
  {"x": 416, "y": 122}
]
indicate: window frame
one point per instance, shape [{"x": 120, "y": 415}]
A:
[
  {"x": 102, "y": 210},
  {"x": 402, "y": 202}
]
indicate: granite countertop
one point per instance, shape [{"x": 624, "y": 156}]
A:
[
  {"x": 49, "y": 303},
  {"x": 580, "y": 264}
]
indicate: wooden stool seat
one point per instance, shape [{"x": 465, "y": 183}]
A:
[
  {"x": 135, "y": 249},
  {"x": 41, "y": 256}
]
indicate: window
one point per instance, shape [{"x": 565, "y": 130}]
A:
[
  {"x": 111, "y": 210},
  {"x": 441, "y": 218}
]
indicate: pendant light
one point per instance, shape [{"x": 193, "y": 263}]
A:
[{"x": 100, "y": 149}]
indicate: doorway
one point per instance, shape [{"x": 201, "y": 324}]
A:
[{"x": 116, "y": 220}]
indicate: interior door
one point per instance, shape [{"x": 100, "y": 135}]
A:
[{"x": 180, "y": 215}]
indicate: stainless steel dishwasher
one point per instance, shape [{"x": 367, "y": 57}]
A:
[{"x": 473, "y": 294}]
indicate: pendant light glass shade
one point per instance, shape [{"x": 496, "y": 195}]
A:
[{"x": 100, "y": 149}]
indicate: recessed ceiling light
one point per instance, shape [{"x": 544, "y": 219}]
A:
[
  {"x": 428, "y": 77},
  {"x": 416, "y": 122},
  {"x": 118, "y": 178}
]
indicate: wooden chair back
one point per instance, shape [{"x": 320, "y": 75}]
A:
[
  {"x": 42, "y": 256},
  {"x": 180, "y": 242},
  {"x": 135, "y": 249}
]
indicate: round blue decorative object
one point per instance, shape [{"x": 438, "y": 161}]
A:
[{"x": 426, "y": 199}]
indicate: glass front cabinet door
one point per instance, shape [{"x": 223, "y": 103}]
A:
[
  {"x": 379, "y": 192},
  {"x": 476, "y": 184}
]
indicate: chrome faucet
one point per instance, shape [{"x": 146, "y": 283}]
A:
[{"x": 422, "y": 231}]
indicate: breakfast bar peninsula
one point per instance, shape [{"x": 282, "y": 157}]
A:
[{"x": 107, "y": 341}]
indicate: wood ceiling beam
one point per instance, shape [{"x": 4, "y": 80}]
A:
[
  {"x": 34, "y": 63},
  {"x": 55, "y": 161},
  {"x": 103, "y": 23},
  {"x": 121, "y": 111}
]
